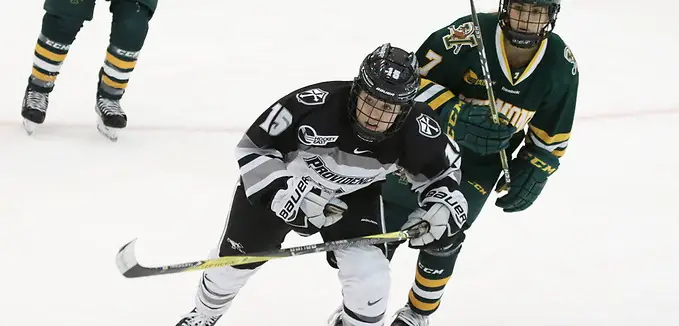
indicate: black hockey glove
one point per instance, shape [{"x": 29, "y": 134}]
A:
[
  {"x": 306, "y": 207},
  {"x": 529, "y": 172},
  {"x": 475, "y": 129},
  {"x": 446, "y": 213}
]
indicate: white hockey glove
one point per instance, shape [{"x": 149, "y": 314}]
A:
[
  {"x": 445, "y": 212},
  {"x": 306, "y": 207}
]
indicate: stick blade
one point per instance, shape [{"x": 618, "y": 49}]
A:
[{"x": 126, "y": 259}]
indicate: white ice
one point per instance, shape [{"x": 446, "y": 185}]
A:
[{"x": 599, "y": 247}]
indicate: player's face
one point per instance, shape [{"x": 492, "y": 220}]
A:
[
  {"x": 375, "y": 115},
  {"x": 528, "y": 18}
]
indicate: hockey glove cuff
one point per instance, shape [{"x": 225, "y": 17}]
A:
[
  {"x": 475, "y": 130},
  {"x": 529, "y": 172},
  {"x": 306, "y": 207},
  {"x": 446, "y": 213}
]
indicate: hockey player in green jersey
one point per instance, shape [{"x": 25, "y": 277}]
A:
[
  {"x": 61, "y": 23},
  {"x": 535, "y": 80}
]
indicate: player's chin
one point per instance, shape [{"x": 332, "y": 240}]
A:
[{"x": 371, "y": 127}]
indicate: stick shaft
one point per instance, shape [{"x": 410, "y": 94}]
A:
[
  {"x": 130, "y": 267},
  {"x": 489, "y": 84}
]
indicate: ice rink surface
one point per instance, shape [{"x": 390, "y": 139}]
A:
[{"x": 599, "y": 247}]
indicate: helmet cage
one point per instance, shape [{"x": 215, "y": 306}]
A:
[
  {"x": 523, "y": 38},
  {"x": 383, "y": 93}
]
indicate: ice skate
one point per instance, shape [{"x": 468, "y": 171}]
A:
[
  {"x": 194, "y": 318},
  {"x": 34, "y": 109},
  {"x": 336, "y": 317},
  {"x": 111, "y": 117},
  {"x": 407, "y": 317}
]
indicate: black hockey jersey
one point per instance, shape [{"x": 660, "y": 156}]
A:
[{"x": 309, "y": 132}]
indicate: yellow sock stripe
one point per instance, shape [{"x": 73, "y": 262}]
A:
[
  {"x": 122, "y": 64},
  {"x": 49, "y": 54},
  {"x": 422, "y": 305},
  {"x": 111, "y": 83},
  {"x": 43, "y": 77},
  {"x": 430, "y": 283}
]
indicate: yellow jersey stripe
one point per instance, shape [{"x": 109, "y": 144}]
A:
[
  {"x": 441, "y": 99},
  {"x": 546, "y": 138}
]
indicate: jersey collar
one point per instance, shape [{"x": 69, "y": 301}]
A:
[{"x": 504, "y": 64}]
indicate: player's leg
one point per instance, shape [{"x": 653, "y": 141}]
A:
[
  {"x": 60, "y": 25},
  {"x": 129, "y": 28},
  {"x": 363, "y": 270},
  {"x": 248, "y": 229},
  {"x": 399, "y": 202},
  {"x": 435, "y": 266}
]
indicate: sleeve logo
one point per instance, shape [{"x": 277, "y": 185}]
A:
[
  {"x": 314, "y": 96},
  {"x": 571, "y": 58},
  {"x": 460, "y": 36},
  {"x": 428, "y": 127}
]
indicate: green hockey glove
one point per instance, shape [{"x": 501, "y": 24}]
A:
[
  {"x": 529, "y": 172},
  {"x": 475, "y": 129}
]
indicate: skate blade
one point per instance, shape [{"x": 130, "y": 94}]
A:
[
  {"x": 29, "y": 126},
  {"x": 108, "y": 132},
  {"x": 335, "y": 318}
]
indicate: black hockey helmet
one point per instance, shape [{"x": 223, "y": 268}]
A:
[
  {"x": 383, "y": 93},
  {"x": 530, "y": 12}
]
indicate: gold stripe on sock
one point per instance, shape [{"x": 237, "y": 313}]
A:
[
  {"x": 430, "y": 283},
  {"x": 422, "y": 305},
  {"x": 122, "y": 64},
  {"x": 49, "y": 54},
  {"x": 46, "y": 78},
  {"x": 111, "y": 83}
]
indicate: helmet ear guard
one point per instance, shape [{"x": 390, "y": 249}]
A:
[
  {"x": 388, "y": 79},
  {"x": 524, "y": 38}
]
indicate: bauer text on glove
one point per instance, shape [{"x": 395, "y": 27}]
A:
[
  {"x": 306, "y": 207},
  {"x": 446, "y": 213}
]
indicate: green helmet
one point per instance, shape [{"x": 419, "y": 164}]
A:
[{"x": 520, "y": 35}]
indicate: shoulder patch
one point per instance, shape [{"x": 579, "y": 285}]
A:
[
  {"x": 428, "y": 127},
  {"x": 314, "y": 96},
  {"x": 459, "y": 36},
  {"x": 568, "y": 54}
]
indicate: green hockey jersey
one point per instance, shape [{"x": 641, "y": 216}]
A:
[{"x": 540, "y": 96}]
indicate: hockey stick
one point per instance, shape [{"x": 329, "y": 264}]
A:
[
  {"x": 128, "y": 265},
  {"x": 489, "y": 86}
]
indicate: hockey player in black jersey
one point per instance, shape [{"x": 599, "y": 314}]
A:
[{"x": 314, "y": 162}]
